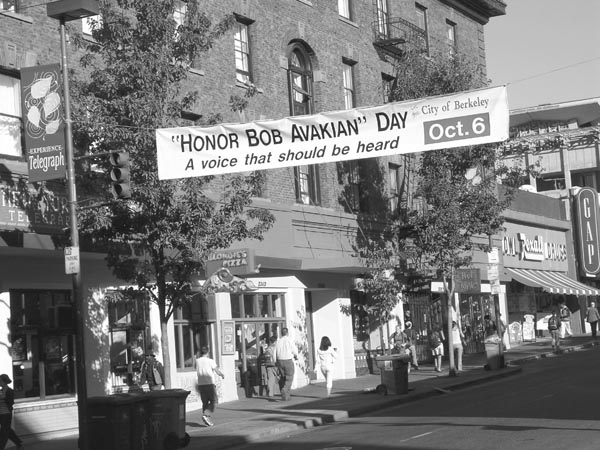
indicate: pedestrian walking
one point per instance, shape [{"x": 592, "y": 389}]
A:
[
  {"x": 152, "y": 372},
  {"x": 271, "y": 366},
  {"x": 592, "y": 316},
  {"x": 286, "y": 352},
  {"x": 411, "y": 343},
  {"x": 206, "y": 368},
  {"x": 326, "y": 356},
  {"x": 457, "y": 345},
  {"x": 7, "y": 400},
  {"x": 565, "y": 321},
  {"x": 437, "y": 348},
  {"x": 554, "y": 329}
]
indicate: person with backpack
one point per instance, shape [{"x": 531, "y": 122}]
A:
[
  {"x": 565, "y": 321},
  {"x": 271, "y": 366},
  {"x": 554, "y": 329}
]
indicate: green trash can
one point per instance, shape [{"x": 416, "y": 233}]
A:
[
  {"x": 394, "y": 374},
  {"x": 495, "y": 358},
  {"x": 109, "y": 422},
  {"x": 166, "y": 419}
]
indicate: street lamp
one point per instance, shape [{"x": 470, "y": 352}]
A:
[{"x": 65, "y": 11}]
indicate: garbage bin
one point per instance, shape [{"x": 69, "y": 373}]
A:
[
  {"x": 394, "y": 374},
  {"x": 109, "y": 422},
  {"x": 166, "y": 419},
  {"x": 495, "y": 358}
]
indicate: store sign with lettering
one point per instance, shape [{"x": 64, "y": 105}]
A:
[
  {"x": 586, "y": 218},
  {"x": 467, "y": 281},
  {"x": 239, "y": 262},
  {"x": 22, "y": 207},
  {"x": 533, "y": 248}
]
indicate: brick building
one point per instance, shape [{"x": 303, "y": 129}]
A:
[{"x": 304, "y": 57}]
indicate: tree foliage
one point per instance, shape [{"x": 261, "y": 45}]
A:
[{"x": 133, "y": 81}]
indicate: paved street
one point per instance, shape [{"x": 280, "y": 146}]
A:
[{"x": 553, "y": 405}]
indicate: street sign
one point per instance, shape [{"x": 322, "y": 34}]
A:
[{"x": 72, "y": 260}]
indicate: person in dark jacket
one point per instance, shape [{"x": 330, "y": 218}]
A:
[
  {"x": 7, "y": 400},
  {"x": 152, "y": 372}
]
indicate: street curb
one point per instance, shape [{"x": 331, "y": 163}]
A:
[{"x": 569, "y": 349}]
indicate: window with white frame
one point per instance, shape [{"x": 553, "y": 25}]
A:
[
  {"x": 381, "y": 11},
  {"x": 451, "y": 38},
  {"x": 242, "y": 51},
  {"x": 421, "y": 15},
  {"x": 192, "y": 331},
  {"x": 344, "y": 9},
  {"x": 307, "y": 185},
  {"x": 9, "y": 5},
  {"x": 10, "y": 116},
  {"x": 89, "y": 24},
  {"x": 348, "y": 82}
]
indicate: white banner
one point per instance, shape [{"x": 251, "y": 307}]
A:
[{"x": 466, "y": 118}]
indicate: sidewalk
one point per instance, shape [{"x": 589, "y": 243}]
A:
[{"x": 255, "y": 418}]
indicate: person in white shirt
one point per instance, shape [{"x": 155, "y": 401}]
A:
[
  {"x": 206, "y": 368},
  {"x": 326, "y": 356},
  {"x": 285, "y": 354}
]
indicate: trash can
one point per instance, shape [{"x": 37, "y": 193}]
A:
[
  {"x": 495, "y": 358},
  {"x": 394, "y": 374},
  {"x": 166, "y": 419},
  {"x": 109, "y": 422}
]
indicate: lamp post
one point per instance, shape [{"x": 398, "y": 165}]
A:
[{"x": 65, "y": 11}]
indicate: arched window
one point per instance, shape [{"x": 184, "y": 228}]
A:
[
  {"x": 300, "y": 87},
  {"x": 300, "y": 79}
]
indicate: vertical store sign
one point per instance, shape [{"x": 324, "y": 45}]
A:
[
  {"x": 43, "y": 121},
  {"x": 586, "y": 206}
]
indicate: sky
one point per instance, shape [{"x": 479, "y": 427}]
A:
[{"x": 545, "y": 51}]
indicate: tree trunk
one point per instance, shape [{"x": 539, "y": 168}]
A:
[
  {"x": 164, "y": 343},
  {"x": 450, "y": 295}
]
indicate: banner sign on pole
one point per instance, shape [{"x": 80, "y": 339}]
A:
[
  {"x": 465, "y": 118},
  {"x": 43, "y": 121}
]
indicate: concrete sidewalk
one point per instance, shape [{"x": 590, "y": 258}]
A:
[{"x": 256, "y": 418}]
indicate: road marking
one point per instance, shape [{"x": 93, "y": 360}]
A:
[{"x": 418, "y": 436}]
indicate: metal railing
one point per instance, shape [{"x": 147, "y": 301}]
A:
[{"x": 395, "y": 34}]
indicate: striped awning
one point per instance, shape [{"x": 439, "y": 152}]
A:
[{"x": 553, "y": 282}]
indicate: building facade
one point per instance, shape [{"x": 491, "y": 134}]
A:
[{"x": 303, "y": 57}]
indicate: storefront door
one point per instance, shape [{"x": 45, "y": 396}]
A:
[{"x": 42, "y": 338}]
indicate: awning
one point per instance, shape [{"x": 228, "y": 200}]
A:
[{"x": 553, "y": 282}]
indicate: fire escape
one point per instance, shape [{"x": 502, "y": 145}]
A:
[{"x": 394, "y": 36}]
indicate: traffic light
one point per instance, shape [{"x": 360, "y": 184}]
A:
[{"x": 119, "y": 175}]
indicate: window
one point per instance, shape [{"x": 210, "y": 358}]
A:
[
  {"x": 300, "y": 79},
  {"x": 307, "y": 185},
  {"x": 42, "y": 343},
  {"x": 192, "y": 331},
  {"x": 242, "y": 53},
  {"x": 451, "y": 37},
  {"x": 382, "y": 19},
  {"x": 10, "y": 116},
  {"x": 180, "y": 12},
  {"x": 353, "y": 191},
  {"x": 89, "y": 24},
  {"x": 9, "y": 5},
  {"x": 300, "y": 87},
  {"x": 394, "y": 186},
  {"x": 423, "y": 42},
  {"x": 387, "y": 85},
  {"x": 344, "y": 9},
  {"x": 584, "y": 179},
  {"x": 348, "y": 81},
  {"x": 256, "y": 305}
]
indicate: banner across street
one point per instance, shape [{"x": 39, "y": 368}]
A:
[{"x": 465, "y": 118}]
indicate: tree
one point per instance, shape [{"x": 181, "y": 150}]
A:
[
  {"x": 457, "y": 187},
  {"x": 133, "y": 81}
]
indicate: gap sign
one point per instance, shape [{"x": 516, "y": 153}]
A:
[{"x": 586, "y": 218}]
